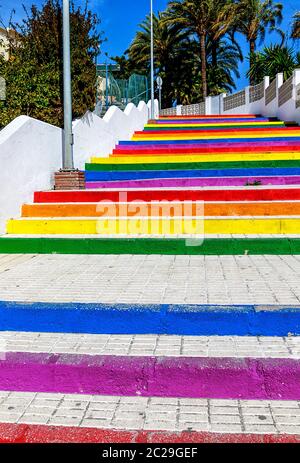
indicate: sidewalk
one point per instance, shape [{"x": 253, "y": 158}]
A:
[
  {"x": 153, "y": 279},
  {"x": 245, "y": 387}
]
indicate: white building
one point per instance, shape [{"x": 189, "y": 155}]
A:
[{"x": 5, "y": 34}]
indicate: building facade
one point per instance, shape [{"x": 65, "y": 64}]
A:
[{"x": 5, "y": 35}]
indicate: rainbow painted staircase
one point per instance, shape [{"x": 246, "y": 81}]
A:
[
  {"x": 85, "y": 367},
  {"x": 232, "y": 180}
]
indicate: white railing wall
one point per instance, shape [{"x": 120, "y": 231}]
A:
[
  {"x": 288, "y": 108},
  {"x": 278, "y": 98},
  {"x": 269, "y": 106},
  {"x": 231, "y": 102},
  {"x": 169, "y": 111},
  {"x": 190, "y": 110},
  {"x": 31, "y": 151}
]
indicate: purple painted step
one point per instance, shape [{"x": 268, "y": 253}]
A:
[
  {"x": 195, "y": 182},
  {"x": 228, "y": 378}
]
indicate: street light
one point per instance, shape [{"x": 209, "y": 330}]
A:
[
  {"x": 152, "y": 61},
  {"x": 159, "y": 83},
  {"x": 68, "y": 163}
]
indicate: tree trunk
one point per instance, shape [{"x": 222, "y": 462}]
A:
[
  {"x": 214, "y": 48},
  {"x": 252, "y": 50},
  {"x": 252, "y": 46},
  {"x": 203, "y": 65}
]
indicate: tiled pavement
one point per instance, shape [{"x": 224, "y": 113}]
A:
[
  {"x": 152, "y": 279},
  {"x": 151, "y": 345},
  {"x": 139, "y": 413},
  {"x": 155, "y": 279}
]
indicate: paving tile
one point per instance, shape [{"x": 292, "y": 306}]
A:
[{"x": 262, "y": 279}]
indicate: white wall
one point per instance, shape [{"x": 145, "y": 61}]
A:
[
  {"x": 94, "y": 136},
  {"x": 31, "y": 151},
  {"x": 287, "y": 112},
  {"x": 156, "y": 108}
]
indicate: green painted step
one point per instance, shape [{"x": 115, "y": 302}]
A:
[
  {"x": 171, "y": 246},
  {"x": 191, "y": 165}
]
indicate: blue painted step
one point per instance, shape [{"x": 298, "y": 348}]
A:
[{"x": 206, "y": 320}]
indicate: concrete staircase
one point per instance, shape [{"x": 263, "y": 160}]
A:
[
  {"x": 159, "y": 348},
  {"x": 230, "y": 184}
]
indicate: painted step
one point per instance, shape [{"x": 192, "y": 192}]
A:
[
  {"x": 207, "y": 166},
  {"x": 165, "y": 225},
  {"x": 184, "y": 150},
  {"x": 171, "y": 209},
  {"x": 91, "y": 174},
  {"x": 190, "y": 182},
  {"x": 272, "y": 156},
  {"x": 186, "y": 142},
  {"x": 206, "y": 120},
  {"x": 106, "y": 225},
  {"x": 118, "y": 209},
  {"x": 188, "y": 124},
  {"x": 201, "y": 137},
  {"x": 214, "y": 126},
  {"x": 233, "y": 194},
  {"x": 259, "y": 130},
  {"x": 196, "y": 377},
  {"x": 229, "y": 245},
  {"x": 163, "y": 319},
  {"x": 208, "y": 116}
]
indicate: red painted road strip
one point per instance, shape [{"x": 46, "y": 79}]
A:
[
  {"x": 251, "y": 194},
  {"x": 34, "y": 434}
]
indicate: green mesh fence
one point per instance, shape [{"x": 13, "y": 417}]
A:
[{"x": 119, "y": 92}]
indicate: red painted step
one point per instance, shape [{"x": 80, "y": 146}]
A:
[
  {"x": 246, "y": 194},
  {"x": 33, "y": 434}
]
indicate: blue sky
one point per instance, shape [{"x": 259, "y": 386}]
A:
[{"x": 120, "y": 20}]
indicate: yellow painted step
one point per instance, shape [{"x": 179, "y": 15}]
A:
[
  {"x": 197, "y": 158},
  {"x": 215, "y": 225}
]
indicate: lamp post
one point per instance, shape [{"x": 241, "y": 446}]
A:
[
  {"x": 106, "y": 85},
  {"x": 68, "y": 163},
  {"x": 67, "y": 178},
  {"x": 159, "y": 83},
  {"x": 152, "y": 61}
]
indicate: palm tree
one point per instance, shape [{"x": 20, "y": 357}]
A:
[
  {"x": 272, "y": 60},
  {"x": 167, "y": 41},
  {"x": 201, "y": 18},
  {"x": 255, "y": 18},
  {"x": 170, "y": 49},
  {"x": 258, "y": 69},
  {"x": 223, "y": 68},
  {"x": 296, "y": 26}
]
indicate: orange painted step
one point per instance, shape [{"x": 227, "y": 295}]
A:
[{"x": 174, "y": 209}]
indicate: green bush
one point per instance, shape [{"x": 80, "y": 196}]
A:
[{"x": 34, "y": 71}]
